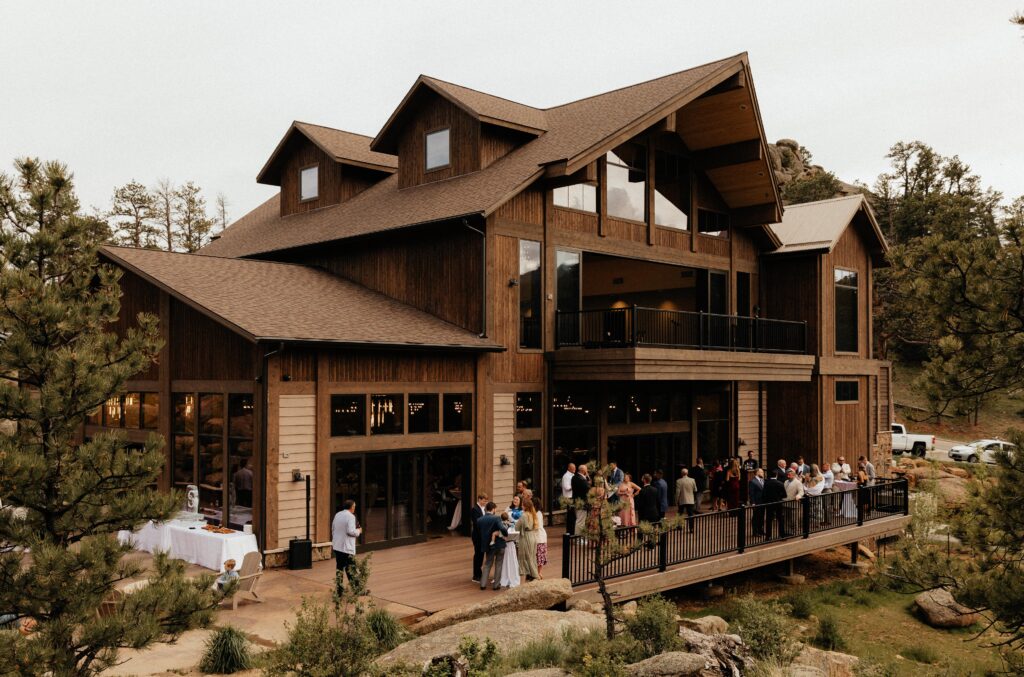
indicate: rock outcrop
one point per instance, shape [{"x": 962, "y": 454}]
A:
[
  {"x": 789, "y": 162},
  {"x": 940, "y": 610},
  {"x": 828, "y": 663},
  {"x": 726, "y": 654},
  {"x": 708, "y": 625},
  {"x": 670, "y": 664},
  {"x": 542, "y": 594},
  {"x": 508, "y": 631}
]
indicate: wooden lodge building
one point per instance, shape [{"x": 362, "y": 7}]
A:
[{"x": 486, "y": 291}]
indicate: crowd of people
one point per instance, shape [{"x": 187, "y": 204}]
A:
[{"x": 511, "y": 545}]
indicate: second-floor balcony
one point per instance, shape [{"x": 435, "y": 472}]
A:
[{"x": 637, "y": 326}]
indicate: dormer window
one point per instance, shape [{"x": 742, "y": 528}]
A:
[
  {"x": 438, "y": 149},
  {"x": 309, "y": 183}
]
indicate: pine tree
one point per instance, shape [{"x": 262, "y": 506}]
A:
[
  {"x": 820, "y": 185},
  {"x": 61, "y": 557},
  {"x": 192, "y": 224},
  {"x": 164, "y": 201},
  {"x": 132, "y": 209}
]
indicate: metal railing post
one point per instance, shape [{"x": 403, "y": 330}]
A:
[
  {"x": 741, "y": 529},
  {"x": 905, "y": 495},
  {"x": 566, "y": 555},
  {"x": 805, "y": 338},
  {"x": 635, "y": 334},
  {"x": 860, "y": 506},
  {"x": 662, "y": 549},
  {"x": 806, "y": 503},
  {"x": 700, "y": 329}
]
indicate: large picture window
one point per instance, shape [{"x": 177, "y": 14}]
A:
[
  {"x": 528, "y": 410},
  {"x": 386, "y": 415},
  {"x": 529, "y": 294},
  {"x": 846, "y": 310},
  {"x": 627, "y": 183},
  {"x": 423, "y": 413},
  {"x": 580, "y": 196},
  {"x": 671, "y": 191},
  {"x": 348, "y": 415},
  {"x": 457, "y": 412}
]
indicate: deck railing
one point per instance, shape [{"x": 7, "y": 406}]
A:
[
  {"x": 713, "y": 534},
  {"x": 638, "y": 326}
]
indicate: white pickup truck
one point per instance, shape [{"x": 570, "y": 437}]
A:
[{"x": 917, "y": 445}]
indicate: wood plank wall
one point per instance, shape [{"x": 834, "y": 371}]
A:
[
  {"x": 503, "y": 444},
  {"x": 303, "y": 153},
  {"x": 513, "y": 365},
  {"x": 846, "y": 427},
  {"x": 296, "y": 432},
  {"x": 793, "y": 421},
  {"x": 137, "y": 296},
  {"x": 435, "y": 269},
  {"x": 748, "y": 418},
  {"x": 391, "y": 367},
  {"x": 432, "y": 113},
  {"x": 528, "y": 207},
  {"x": 497, "y": 142},
  {"x": 790, "y": 288},
  {"x": 202, "y": 349},
  {"x": 850, "y": 254}
]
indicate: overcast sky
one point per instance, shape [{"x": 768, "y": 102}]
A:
[{"x": 204, "y": 90}]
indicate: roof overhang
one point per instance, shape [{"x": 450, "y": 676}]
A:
[{"x": 270, "y": 174}]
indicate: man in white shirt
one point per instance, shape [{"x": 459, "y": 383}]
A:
[
  {"x": 830, "y": 478},
  {"x": 794, "y": 492},
  {"x": 344, "y": 532},
  {"x": 570, "y": 470}
]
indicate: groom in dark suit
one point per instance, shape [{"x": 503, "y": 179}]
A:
[
  {"x": 478, "y": 553},
  {"x": 755, "y": 492}
]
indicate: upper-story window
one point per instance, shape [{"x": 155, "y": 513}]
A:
[
  {"x": 712, "y": 223},
  {"x": 580, "y": 196},
  {"x": 438, "y": 149},
  {"x": 529, "y": 294},
  {"x": 627, "y": 183},
  {"x": 309, "y": 183},
  {"x": 671, "y": 191},
  {"x": 846, "y": 310}
]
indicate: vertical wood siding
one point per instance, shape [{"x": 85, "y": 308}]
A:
[
  {"x": 303, "y": 154},
  {"x": 137, "y": 296},
  {"x": 748, "y": 418},
  {"x": 370, "y": 366},
  {"x": 510, "y": 366},
  {"x": 849, "y": 254},
  {"x": 204, "y": 349},
  {"x": 296, "y": 449},
  {"x": 432, "y": 113}
]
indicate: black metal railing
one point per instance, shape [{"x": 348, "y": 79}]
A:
[
  {"x": 638, "y": 326},
  {"x": 713, "y": 534}
]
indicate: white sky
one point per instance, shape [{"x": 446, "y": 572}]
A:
[{"x": 204, "y": 90}]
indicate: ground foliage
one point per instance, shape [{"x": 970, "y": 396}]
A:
[{"x": 59, "y": 361}]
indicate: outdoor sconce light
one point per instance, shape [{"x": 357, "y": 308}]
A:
[
  {"x": 296, "y": 475},
  {"x": 504, "y": 460},
  {"x": 513, "y": 282},
  {"x": 286, "y": 377}
]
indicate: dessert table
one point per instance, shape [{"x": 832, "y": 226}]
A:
[{"x": 192, "y": 544}]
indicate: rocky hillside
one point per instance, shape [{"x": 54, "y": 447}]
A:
[{"x": 792, "y": 165}]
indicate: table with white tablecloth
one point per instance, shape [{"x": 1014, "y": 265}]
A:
[
  {"x": 192, "y": 544},
  {"x": 848, "y": 508}
]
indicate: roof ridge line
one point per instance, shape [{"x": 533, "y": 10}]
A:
[
  {"x": 335, "y": 129},
  {"x": 480, "y": 91},
  {"x": 213, "y": 256}
]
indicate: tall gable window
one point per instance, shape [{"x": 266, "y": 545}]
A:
[
  {"x": 671, "y": 191},
  {"x": 846, "y": 310},
  {"x": 438, "y": 149},
  {"x": 309, "y": 183},
  {"x": 529, "y": 294},
  {"x": 627, "y": 183}
]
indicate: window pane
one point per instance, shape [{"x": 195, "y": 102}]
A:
[
  {"x": 847, "y": 391},
  {"x": 423, "y": 414},
  {"x": 375, "y": 512},
  {"x": 310, "y": 184},
  {"x": 211, "y": 414},
  {"x": 580, "y": 196},
  {"x": 712, "y": 223},
  {"x": 211, "y": 476},
  {"x": 437, "y": 149},
  {"x": 240, "y": 489},
  {"x": 458, "y": 412},
  {"x": 529, "y": 294},
  {"x": 183, "y": 463},
  {"x": 574, "y": 409},
  {"x": 348, "y": 415},
  {"x": 386, "y": 415},
  {"x": 240, "y": 416},
  {"x": 184, "y": 413},
  {"x": 617, "y": 408},
  {"x": 528, "y": 410},
  {"x": 567, "y": 281},
  {"x": 112, "y": 412},
  {"x": 150, "y": 410},
  {"x": 132, "y": 410},
  {"x": 671, "y": 191},
  {"x": 846, "y": 310},
  {"x": 627, "y": 184}
]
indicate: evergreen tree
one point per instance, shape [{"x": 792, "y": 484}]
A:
[
  {"x": 192, "y": 224},
  {"x": 164, "y": 201},
  {"x": 61, "y": 557},
  {"x": 132, "y": 209},
  {"x": 817, "y": 186}
]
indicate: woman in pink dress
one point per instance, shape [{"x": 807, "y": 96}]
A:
[{"x": 626, "y": 491}]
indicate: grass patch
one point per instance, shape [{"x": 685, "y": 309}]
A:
[
  {"x": 801, "y": 604},
  {"x": 921, "y": 654},
  {"x": 829, "y": 636}
]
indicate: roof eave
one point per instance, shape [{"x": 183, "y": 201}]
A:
[
  {"x": 386, "y": 345},
  {"x": 268, "y": 177}
]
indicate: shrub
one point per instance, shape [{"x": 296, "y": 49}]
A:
[
  {"x": 829, "y": 637},
  {"x": 227, "y": 651},
  {"x": 654, "y": 626},
  {"x": 601, "y": 666},
  {"x": 386, "y": 629},
  {"x": 585, "y": 650},
  {"x": 762, "y": 625},
  {"x": 801, "y": 604},
  {"x": 920, "y": 654},
  {"x": 540, "y": 653}
]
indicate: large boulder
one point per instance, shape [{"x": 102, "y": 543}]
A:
[
  {"x": 940, "y": 610},
  {"x": 952, "y": 491},
  {"x": 828, "y": 663},
  {"x": 542, "y": 594},
  {"x": 670, "y": 664},
  {"x": 508, "y": 631},
  {"x": 708, "y": 625}
]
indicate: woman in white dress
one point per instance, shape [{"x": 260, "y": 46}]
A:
[
  {"x": 814, "y": 485},
  {"x": 510, "y": 563}
]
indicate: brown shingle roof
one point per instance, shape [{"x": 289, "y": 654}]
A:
[
  {"x": 263, "y": 300},
  {"x": 346, "y": 147},
  {"x": 492, "y": 108},
  {"x": 573, "y": 130},
  {"x": 816, "y": 226}
]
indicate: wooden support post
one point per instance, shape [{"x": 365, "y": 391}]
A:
[
  {"x": 854, "y": 551},
  {"x": 806, "y": 504}
]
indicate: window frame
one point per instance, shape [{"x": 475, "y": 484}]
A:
[
  {"x": 304, "y": 169},
  {"x": 856, "y": 386},
  {"x": 580, "y": 210},
  {"x": 539, "y": 293},
  {"x": 426, "y": 146},
  {"x": 719, "y": 214},
  {"x": 835, "y": 311},
  {"x": 619, "y": 163}
]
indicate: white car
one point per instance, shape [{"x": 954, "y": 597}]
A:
[{"x": 980, "y": 450}]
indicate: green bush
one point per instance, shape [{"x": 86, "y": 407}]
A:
[
  {"x": 829, "y": 636},
  {"x": 601, "y": 666},
  {"x": 547, "y": 652},
  {"x": 584, "y": 650},
  {"x": 762, "y": 625},
  {"x": 387, "y": 630},
  {"x": 654, "y": 626},
  {"x": 920, "y": 654},
  {"x": 227, "y": 651},
  {"x": 801, "y": 604}
]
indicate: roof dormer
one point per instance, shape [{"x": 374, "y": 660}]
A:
[{"x": 318, "y": 167}]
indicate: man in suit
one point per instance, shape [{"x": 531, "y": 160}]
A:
[
  {"x": 478, "y": 553},
  {"x": 662, "y": 486},
  {"x": 700, "y": 478},
  {"x": 686, "y": 493},
  {"x": 647, "y": 502},
  {"x": 485, "y": 527},
  {"x": 774, "y": 492},
  {"x": 580, "y": 489},
  {"x": 780, "y": 470},
  {"x": 755, "y": 494}
]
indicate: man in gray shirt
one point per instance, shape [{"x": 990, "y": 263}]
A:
[{"x": 344, "y": 532}]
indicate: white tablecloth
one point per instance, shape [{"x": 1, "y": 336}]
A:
[
  {"x": 848, "y": 508},
  {"x": 196, "y": 546}
]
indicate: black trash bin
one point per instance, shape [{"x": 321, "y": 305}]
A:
[{"x": 300, "y": 550}]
